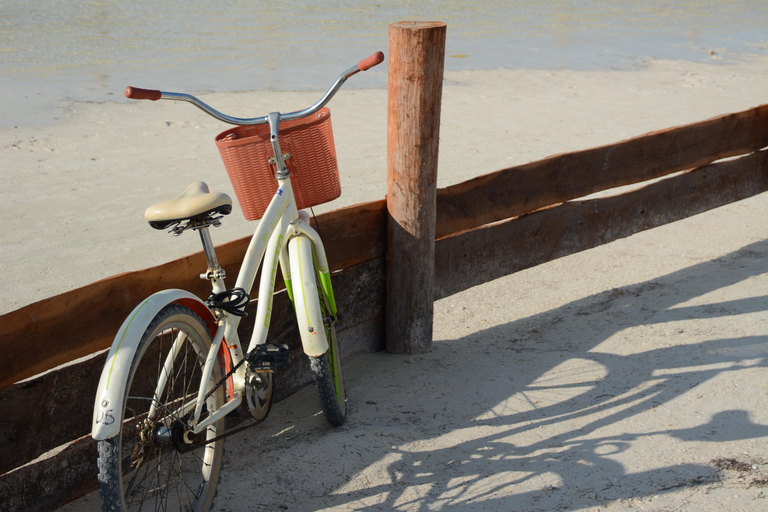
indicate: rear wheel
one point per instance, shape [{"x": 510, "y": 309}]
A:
[{"x": 150, "y": 464}]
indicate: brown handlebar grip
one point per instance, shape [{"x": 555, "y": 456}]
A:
[
  {"x": 374, "y": 60},
  {"x": 142, "y": 94}
]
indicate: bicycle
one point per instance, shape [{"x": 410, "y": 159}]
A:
[{"x": 176, "y": 367}]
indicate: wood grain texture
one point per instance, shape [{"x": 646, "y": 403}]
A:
[
  {"x": 556, "y": 179},
  {"x": 490, "y": 252},
  {"x": 416, "y": 61}
]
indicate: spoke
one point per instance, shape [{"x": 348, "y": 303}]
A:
[
  {"x": 180, "y": 486},
  {"x": 150, "y": 472},
  {"x": 155, "y": 476},
  {"x": 201, "y": 460},
  {"x": 158, "y": 500},
  {"x": 188, "y": 488},
  {"x": 145, "y": 488}
]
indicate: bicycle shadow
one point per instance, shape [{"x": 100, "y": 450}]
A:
[
  {"x": 598, "y": 401},
  {"x": 583, "y": 392}
]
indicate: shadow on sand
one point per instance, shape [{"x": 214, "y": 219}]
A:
[{"x": 555, "y": 438}]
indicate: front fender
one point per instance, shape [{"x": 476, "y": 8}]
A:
[
  {"x": 308, "y": 313},
  {"x": 107, "y": 409}
]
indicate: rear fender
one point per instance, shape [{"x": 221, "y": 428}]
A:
[{"x": 108, "y": 406}]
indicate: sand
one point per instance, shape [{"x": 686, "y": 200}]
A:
[
  {"x": 74, "y": 192},
  {"x": 611, "y": 379}
]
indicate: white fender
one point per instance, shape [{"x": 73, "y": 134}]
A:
[
  {"x": 109, "y": 395},
  {"x": 306, "y": 299}
]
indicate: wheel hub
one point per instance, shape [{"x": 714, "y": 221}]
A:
[{"x": 175, "y": 435}]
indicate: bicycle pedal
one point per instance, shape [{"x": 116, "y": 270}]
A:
[{"x": 269, "y": 356}]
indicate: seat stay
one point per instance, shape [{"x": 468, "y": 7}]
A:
[{"x": 206, "y": 381}]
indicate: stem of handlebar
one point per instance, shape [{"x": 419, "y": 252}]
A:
[{"x": 148, "y": 94}]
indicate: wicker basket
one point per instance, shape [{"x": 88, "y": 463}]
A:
[{"x": 246, "y": 151}]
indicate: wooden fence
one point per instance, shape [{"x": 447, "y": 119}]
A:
[{"x": 486, "y": 227}]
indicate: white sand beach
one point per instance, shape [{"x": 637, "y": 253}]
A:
[
  {"x": 607, "y": 380},
  {"x": 74, "y": 191}
]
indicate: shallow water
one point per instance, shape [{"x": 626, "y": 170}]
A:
[{"x": 90, "y": 50}]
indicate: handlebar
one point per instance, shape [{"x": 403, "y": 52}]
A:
[{"x": 154, "y": 95}]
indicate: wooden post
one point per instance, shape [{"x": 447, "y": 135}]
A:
[{"x": 416, "y": 61}]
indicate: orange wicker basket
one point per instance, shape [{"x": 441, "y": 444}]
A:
[{"x": 246, "y": 151}]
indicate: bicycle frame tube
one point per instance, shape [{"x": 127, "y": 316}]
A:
[
  {"x": 266, "y": 245},
  {"x": 210, "y": 360},
  {"x": 267, "y": 284},
  {"x": 279, "y": 207}
]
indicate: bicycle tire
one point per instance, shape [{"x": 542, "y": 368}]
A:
[
  {"x": 312, "y": 302},
  {"x": 333, "y": 405},
  {"x": 135, "y": 468},
  {"x": 327, "y": 368}
]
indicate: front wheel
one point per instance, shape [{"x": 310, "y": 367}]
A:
[
  {"x": 327, "y": 368},
  {"x": 153, "y": 463},
  {"x": 314, "y": 309},
  {"x": 332, "y": 398}
]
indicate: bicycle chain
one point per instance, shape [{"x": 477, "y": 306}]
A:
[
  {"x": 228, "y": 375},
  {"x": 235, "y": 430},
  {"x": 207, "y": 395}
]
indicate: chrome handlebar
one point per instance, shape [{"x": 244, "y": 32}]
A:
[{"x": 363, "y": 65}]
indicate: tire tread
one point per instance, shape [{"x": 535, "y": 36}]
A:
[{"x": 326, "y": 390}]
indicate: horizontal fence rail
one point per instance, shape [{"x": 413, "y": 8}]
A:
[
  {"x": 490, "y": 252},
  {"x": 82, "y": 321},
  {"x": 486, "y": 227},
  {"x": 556, "y": 179}
]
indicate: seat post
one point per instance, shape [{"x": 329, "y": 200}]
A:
[{"x": 214, "y": 270}]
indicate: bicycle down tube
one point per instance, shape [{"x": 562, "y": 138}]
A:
[{"x": 280, "y": 221}]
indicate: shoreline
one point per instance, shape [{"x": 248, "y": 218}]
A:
[
  {"x": 59, "y": 96},
  {"x": 75, "y": 190}
]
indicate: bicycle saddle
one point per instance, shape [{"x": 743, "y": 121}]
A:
[{"x": 195, "y": 201}]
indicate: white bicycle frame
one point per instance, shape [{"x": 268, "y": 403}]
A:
[
  {"x": 280, "y": 227},
  {"x": 283, "y": 237},
  {"x": 281, "y": 222}
]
